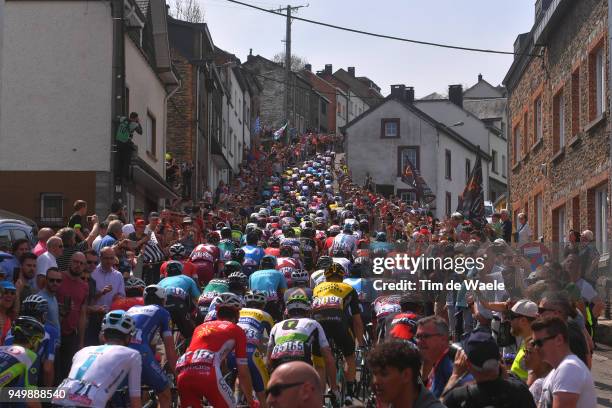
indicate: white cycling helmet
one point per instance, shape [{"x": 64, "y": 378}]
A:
[
  {"x": 155, "y": 290},
  {"x": 119, "y": 320},
  {"x": 299, "y": 275},
  {"x": 228, "y": 300},
  {"x": 255, "y": 297}
]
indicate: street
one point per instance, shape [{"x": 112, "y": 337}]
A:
[{"x": 602, "y": 374}]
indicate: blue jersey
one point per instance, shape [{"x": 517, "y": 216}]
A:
[
  {"x": 149, "y": 319},
  {"x": 181, "y": 281},
  {"x": 48, "y": 345},
  {"x": 269, "y": 281},
  {"x": 252, "y": 254}
]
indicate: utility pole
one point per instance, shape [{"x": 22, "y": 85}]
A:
[{"x": 288, "y": 11}]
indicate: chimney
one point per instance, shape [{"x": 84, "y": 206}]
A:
[
  {"x": 308, "y": 67},
  {"x": 409, "y": 94},
  {"x": 351, "y": 71},
  {"x": 398, "y": 92},
  {"x": 479, "y": 77},
  {"x": 328, "y": 69},
  {"x": 455, "y": 94}
]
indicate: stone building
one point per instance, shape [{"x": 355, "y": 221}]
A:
[{"x": 558, "y": 119}]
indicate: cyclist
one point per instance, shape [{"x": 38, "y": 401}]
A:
[
  {"x": 300, "y": 285},
  {"x": 199, "y": 369},
  {"x": 273, "y": 247},
  {"x": 37, "y": 307},
  {"x": 226, "y": 245},
  {"x": 252, "y": 253},
  {"x": 384, "y": 307},
  {"x": 181, "y": 297},
  {"x": 363, "y": 287},
  {"x": 97, "y": 371},
  {"x": 176, "y": 279},
  {"x": 300, "y": 338},
  {"x": 256, "y": 323},
  {"x": 308, "y": 248},
  {"x": 214, "y": 288},
  {"x": 336, "y": 306},
  {"x": 205, "y": 258},
  {"x": 287, "y": 263},
  {"x": 272, "y": 283},
  {"x": 178, "y": 252},
  {"x": 237, "y": 284},
  {"x": 19, "y": 362},
  {"x": 318, "y": 276},
  {"x": 148, "y": 320},
  {"x": 403, "y": 325},
  {"x": 345, "y": 242},
  {"x": 133, "y": 295}
]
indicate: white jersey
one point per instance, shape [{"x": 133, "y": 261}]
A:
[{"x": 97, "y": 372}]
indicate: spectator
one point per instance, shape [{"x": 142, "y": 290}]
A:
[
  {"x": 396, "y": 376},
  {"x": 522, "y": 314},
  {"x": 294, "y": 385},
  {"x": 118, "y": 211},
  {"x": 69, "y": 239},
  {"x": 113, "y": 235},
  {"x": 432, "y": 341},
  {"x": 55, "y": 248},
  {"x": 102, "y": 230},
  {"x": 72, "y": 295},
  {"x": 109, "y": 281},
  {"x": 77, "y": 220},
  {"x": 41, "y": 246},
  {"x": 53, "y": 281},
  {"x": 538, "y": 370},
  {"x": 8, "y": 294},
  {"x": 589, "y": 303},
  {"x": 588, "y": 257},
  {"x": 9, "y": 263},
  {"x": 26, "y": 282},
  {"x": 93, "y": 311},
  {"x": 569, "y": 384},
  {"x": 506, "y": 226},
  {"x": 481, "y": 359}
]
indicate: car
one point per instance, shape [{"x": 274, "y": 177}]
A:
[
  {"x": 14, "y": 226},
  {"x": 489, "y": 210}
]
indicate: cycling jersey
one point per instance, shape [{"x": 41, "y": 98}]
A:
[
  {"x": 255, "y": 323},
  {"x": 344, "y": 242},
  {"x": 183, "y": 282},
  {"x": 97, "y": 372},
  {"x": 205, "y": 253},
  {"x": 252, "y": 255},
  {"x": 317, "y": 277},
  {"x": 189, "y": 269},
  {"x": 308, "y": 248},
  {"x": 403, "y": 326},
  {"x": 48, "y": 345},
  {"x": 226, "y": 246},
  {"x": 272, "y": 251},
  {"x": 287, "y": 266},
  {"x": 385, "y": 307},
  {"x": 124, "y": 303},
  {"x": 214, "y": 288},
  {"x": 363, "y": 287},
  {"x": 18, "y": 367},
  {"x": 296, "y": 339},
  {"x": 334, "y": 301},
  {"x": 269, "y": 281}
]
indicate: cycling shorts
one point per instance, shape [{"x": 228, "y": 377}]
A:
[
  {"x": 274, "y": 309},
  {"x": 257, "y": 368},
  {"x": 152, "y": 373},
  {"x": 205, "y": 272},
  {"x": 206, "y": 381},
  {"x": 180, "y": 312},
  {"x": 339, "y": 336}
]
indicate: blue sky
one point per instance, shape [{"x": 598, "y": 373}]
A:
[{"x": 490, "y": 24}]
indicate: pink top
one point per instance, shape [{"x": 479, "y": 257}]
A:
[{"x": 40, "y": 248}]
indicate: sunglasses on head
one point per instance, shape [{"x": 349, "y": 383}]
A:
[{"x": 277, "y": 389}]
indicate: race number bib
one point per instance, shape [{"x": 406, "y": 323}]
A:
[
  {"x": 327, "y": 302},
  {"x": 79, "y": 392},
  {"x": 288, "y": 349}
]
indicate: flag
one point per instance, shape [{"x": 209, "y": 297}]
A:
[
  {"x": 413, "y": 178},
  {"x": 471, "y": 202},
  {"x": 280, "y": 132},
  {"x": 257, "y": 128}
]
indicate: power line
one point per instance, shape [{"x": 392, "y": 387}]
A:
[{"x": 389, "y": 37}]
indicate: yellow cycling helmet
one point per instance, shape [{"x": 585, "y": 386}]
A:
[{"x": 335, "y": 270}]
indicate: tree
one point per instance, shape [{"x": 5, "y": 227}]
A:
[
  {"x": 188, "y": 10},
  {"x": 297, "y": 62}
]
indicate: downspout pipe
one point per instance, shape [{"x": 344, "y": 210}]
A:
[{"x": 118, "y": 96}]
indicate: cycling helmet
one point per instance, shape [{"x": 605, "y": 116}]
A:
[
  {"x": 286, "y": 251},
  {"x": 298, "y": 302},
  {"x": 268, "y": 262},
  {"x": 213, "y": 238},
  {"x": 174, "y": 268},
  {"x": 299, "y": 276},
  {"x": 35, "y": 306},
  {"x": 30, "y": 328},
  {"x": 154, "y": 293},
  {"x": 274, "y": 241},
  {"x": 348, "y": 228},
  {"x": 119, "y": 320},
  {"x": 133, "y": 283},
  {"x": 232, "y": 266},
  {"x": 324, "y": 261},
  {"x": 226, "y": 232},
  {"x": 334, "y": 229},
  {"x": 177, "y": 250},
  {"x": 256, "y": 296},
  {"x": 335, "y": 270},
  {"x": 381, "y": 237},
  {"x": 228, "y": 300},
  {"x": 238, "y": 255},
  {"x": 237, "y": 278}
]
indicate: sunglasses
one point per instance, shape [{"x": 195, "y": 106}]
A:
[
  {"x": 277, "y": 389},
  {"x": 540, "y": 342},
  {"x": 51, "y": 280}
]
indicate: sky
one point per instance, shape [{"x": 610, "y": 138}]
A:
[{"x": 489, "y": 24}]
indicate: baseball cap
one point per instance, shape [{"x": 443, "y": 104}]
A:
[
  {"x": 138, "y": 211},
  {"x": 128, "y": 229},
  {"x": 525, "y": 307},
  {"x": 153, "y": 214},
  {"x": 482, "y": 350},
  {"x": 7, "y": 285},
  {"x": 140, "y": 223}
]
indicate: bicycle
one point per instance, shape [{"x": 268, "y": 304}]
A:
[{"x": 329, "y": 398}]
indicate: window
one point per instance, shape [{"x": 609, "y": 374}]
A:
[
  {"x": 447, "y": 164},
  {"x": 448, "y": 202},
  {"x": 339, "y": 109},
  {"x": 538, "y": 230},
  {"x": 525, "y": 133},
  {"x": 468, "y": 165},
  {"x": 601, "y": 219},
  {"x": 597, "y": 76},
  {"x": 323, "y": 108},
  {"x": 407, "y": 196},
  {"x": 576, "y": 102},
  {"x": 559, "y": 225},
  {"x": 503, "y": 169},
  {"x": 406, "y": 153},
  {"x": 558, "y": 121},
  {"x": 494, "y": 161},
  {"x": 516, "y": 148},
  {"x": 151, "y": 135},
  {"x": 390, "y": 128},
  {"x": 537, "y": 119},
  {"x": 51, "y": 207}
]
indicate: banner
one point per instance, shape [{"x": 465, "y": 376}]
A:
[
  {"x": 471, "y": 202},
  {"x": 280, "y": 132},
  {"x": 413, "y": 178}
]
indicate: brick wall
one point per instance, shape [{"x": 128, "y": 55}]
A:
[
  {"x": 180, "y": 139},
  {"x": 568, "y": 174}
]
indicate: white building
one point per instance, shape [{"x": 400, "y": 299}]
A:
[
  {"x": 382, "y": 139},
  {"x": 61, "y": 100}
]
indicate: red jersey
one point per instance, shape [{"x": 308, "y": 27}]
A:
[
  {"x": 189, "y": 269},
  {"x": 211, "y": 343},
  {"x": 403, "y": 326},
  {"x": 328, "y": 243},
  {"x": 205, "y": 253},
  {"x": 272, "y": 251},
  {"x": 124, "y": 303}
]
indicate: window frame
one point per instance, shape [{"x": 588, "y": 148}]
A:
[
  {"x": 383, "y": 128},
  {"x": 538, "y": 126},
  {"x": 504, "y": 172},
  {"x": 400, "y": 166},
  {"x": 448, "y": 164},
  {"x": 494, "y": 161},
  {"x": 516, "y": 144},
  {"x": 559, "y": 139},
  {"x": 602, "y": 213},
  {"x": 152, "y": 148},
  {"x": 448, "y": 203},
  {"x": 43, "y": 216}
]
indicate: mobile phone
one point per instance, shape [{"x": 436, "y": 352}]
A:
[{"x": 89, "y": 219}]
